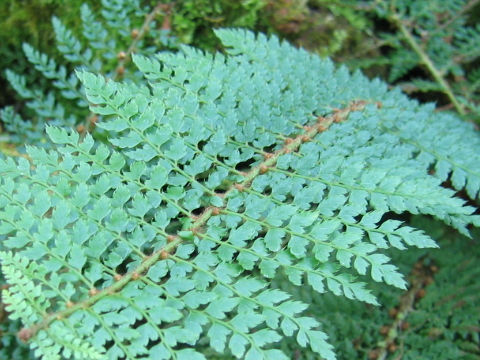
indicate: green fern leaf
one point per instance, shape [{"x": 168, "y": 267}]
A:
[{"x": 220, "y": 173}]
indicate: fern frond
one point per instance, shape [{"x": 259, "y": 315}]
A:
[
  {"x": 67, "y": 84},
  {"x": 69, "y": 45},
  {"x": 219, "y": 173},
  {"x": 44, "y": 106},
  {"x": 94, "y": 31},
  {"x": 19, "y": 129}
]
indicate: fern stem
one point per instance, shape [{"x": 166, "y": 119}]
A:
[
  {"x": 322, "y": 124},
  {"x": 89, "y": 301},
  {"x": 142, "y": 32},
  {"x": 425, "y": 60}
]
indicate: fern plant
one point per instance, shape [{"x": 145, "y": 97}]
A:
[
  {"x": 220, "y": 174},
  {"x": 433, "y": 49},
  {"x": 107, "y": 40}
]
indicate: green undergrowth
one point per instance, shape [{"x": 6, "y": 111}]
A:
[{"x": 429, "y": 48}]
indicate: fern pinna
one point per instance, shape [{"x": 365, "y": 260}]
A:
[{"x": 219, "y": 174}]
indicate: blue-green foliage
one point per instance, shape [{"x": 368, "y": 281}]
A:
[{"x": 220, "y": 174}]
